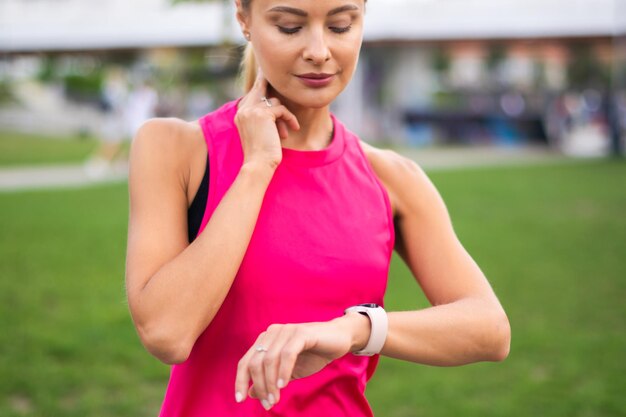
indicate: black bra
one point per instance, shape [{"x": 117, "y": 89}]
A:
[{"x": 195, "y": 212}]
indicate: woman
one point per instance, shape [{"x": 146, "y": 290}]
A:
[{"x": 263, "y": 309}]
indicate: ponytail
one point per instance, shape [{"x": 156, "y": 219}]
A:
[{"x": 248, "y": 68}]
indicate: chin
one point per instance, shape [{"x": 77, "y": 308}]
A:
[
  {"x": 317, "y": 103},
  {"x": 315, "y": 99}
]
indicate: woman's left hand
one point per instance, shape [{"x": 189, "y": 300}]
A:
[{"x": 293, "y": 351}]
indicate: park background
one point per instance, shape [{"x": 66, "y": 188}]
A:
[{"x": 515, "y": 109}]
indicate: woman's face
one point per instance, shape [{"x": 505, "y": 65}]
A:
[{"x": 296, "y": 40}]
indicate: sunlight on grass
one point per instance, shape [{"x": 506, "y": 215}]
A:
[
  {"x": 549, "y": 238},
  {"x": 24, "y": 149}
]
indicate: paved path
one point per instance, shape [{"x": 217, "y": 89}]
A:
[
  {"x": 58, "y": 176},
  {"x": 78, "y": 175},
  {"x": 480, "y": 156}
]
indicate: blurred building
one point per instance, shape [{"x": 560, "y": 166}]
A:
[{"x": 431, "y": 71}]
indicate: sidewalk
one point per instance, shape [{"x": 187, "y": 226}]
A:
[
  {"x": 57, "y": 176},
  {"x": 461, "y": 157},
  {"x": 69, "y": 176}
]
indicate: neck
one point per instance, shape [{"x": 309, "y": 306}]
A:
[{"x": 315, "y": 127}]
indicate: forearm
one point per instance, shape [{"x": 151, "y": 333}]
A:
[
  {"x": 182, "y": 297},
  {"x": 465, "y": 331}
]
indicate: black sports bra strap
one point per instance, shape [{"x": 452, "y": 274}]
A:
[{"x": 195, "y": 213}]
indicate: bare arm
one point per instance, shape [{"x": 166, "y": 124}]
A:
[
  {"x": 466, "y": 322},
  {"x": 175, "y": 288}
]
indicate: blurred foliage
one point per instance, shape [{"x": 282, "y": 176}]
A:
[
  {"x": 209, "y": 69},
  {"x": 82, "y": 76},
  {"x": 84, "y": 87},
  {"x": 585, "y": 70},
  {"x": 48, "y": 71},
  {"x": 448, "y": 100},
  {"x": 441, "y": 60},
  {"x": 6, "y": 96},
  {"x": 496, "y": 55},
  {"x": 539, "y": 74},
  {"x": 196, "y": 71}
]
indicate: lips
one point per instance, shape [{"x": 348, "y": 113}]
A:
[
  {"x": 316, "y": 80},
  {"x": 314, "y": 76}
]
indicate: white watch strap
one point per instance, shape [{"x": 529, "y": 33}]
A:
[{"x": 380, "y": 325}]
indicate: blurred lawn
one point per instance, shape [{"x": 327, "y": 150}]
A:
[
  {"x": 551, "y": 239},
  {"x": 24, "y": 149}
]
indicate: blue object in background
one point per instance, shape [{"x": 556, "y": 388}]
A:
[
  {"x": 504, "y": 132},
  {"x": 419, "y": 134}
]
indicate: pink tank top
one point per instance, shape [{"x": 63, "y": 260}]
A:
[{"x": 322, "y": 242}]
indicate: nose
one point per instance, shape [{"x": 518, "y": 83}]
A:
[{"x": 316, "y": 50}]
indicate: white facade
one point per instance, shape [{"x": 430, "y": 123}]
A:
[
  {"x": 407, "y": 81},
  {"x": 462, "y": 19},
  {"x": 92, "y": 24},
  {"x": 108, "y": 24}
]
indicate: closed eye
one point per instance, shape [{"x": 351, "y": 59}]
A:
[
  {"x": 289, "y": 31},
  {"x": 341, "y": 30},
  {"x": 293, "y": 31}
]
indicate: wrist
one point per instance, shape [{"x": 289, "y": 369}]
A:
[
  {"x": 359, "y": 327},
  {"x": 258, "y": 169}
]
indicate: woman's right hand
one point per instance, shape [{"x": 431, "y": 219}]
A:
[{"x": 261, "y": 127}]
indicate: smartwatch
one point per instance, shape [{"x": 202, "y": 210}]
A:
[{"x": 380, "y": 324}]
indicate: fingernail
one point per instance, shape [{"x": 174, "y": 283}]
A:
[
  {"x": 239, "y": 397},
  {"x": 281, "y": 383},
  {"x": 271, "y": 399},
  {"x": 266, "y": 405}
]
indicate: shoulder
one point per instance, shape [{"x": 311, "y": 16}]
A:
[
  {"x": 166, "y": 135},
  {"x": 170, "y": 146},
  {"x": 405, "y": 181}
]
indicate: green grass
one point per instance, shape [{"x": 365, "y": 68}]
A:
[
  {"x": 551, "y": 240},
  {"x": 26, "y": 149}
]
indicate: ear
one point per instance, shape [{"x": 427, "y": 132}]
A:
[{"x": 242, "y": 17}]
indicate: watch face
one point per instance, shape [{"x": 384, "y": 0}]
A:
[{"x": 370, "y": 305}]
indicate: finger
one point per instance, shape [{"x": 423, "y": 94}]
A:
[
  {"x": 259, "y": 88},
  {"x": 256, "y": 365},
  {"x": 277, "y": 336},
  {"x": 243, "y": 376},
  {"x": 272, "y": 362},
  {"x": 281, "y": 112},
  {"x": 270, "y": 367},
  {"x": 257, "y": 373},
  {"x": 288, "y": 356},
  {"x": 291, "y": 120},
  {"x": 252, "y": 392},
  {"x": 272, "y": 100},
  {"x": 242, "y": 379},
  {"x": 283, "y": 132}
]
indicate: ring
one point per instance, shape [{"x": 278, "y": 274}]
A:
[
  {"x": 267, "y": 102},
  {"x": 261, "y": 348}
]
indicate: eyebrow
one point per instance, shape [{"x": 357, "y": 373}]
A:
[{"x": 300, "y": 12}]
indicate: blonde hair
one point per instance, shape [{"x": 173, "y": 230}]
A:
[{"x": 247, "y": 68}]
